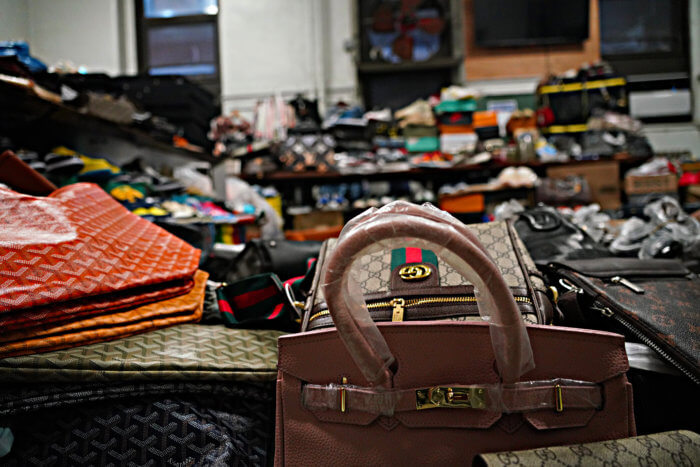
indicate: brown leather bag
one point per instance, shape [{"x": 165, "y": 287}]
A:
[{"x": 428, "y": 393}]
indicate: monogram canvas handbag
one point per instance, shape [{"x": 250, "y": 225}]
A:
[
  {"x": 440, "y": 392},
  {"x": 427, "y": 288}
]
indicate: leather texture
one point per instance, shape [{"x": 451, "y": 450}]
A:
[
  {"x": 666, "y": 312},
  {"x": 232, "y": 424},
  {"x": 187, "y": 352},
  {"x": 183, "y": 309},
  {"x": 22, "y": 178},
  {"x": 434, "y": 354},
  {"x": 669, "y": 448},
  {"x": 79, "y": 245},
  {"x": 379, "y": 282},
  {"x": 426, "y": 354}
]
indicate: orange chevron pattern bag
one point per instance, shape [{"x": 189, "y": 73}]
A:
[{"x": 78, "y": 252}]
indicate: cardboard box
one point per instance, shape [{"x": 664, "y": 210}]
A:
[
  {"x": 644, "y": 184},
  {"x": 603, "y": 178},
  {"x": 315, "y": 219}
]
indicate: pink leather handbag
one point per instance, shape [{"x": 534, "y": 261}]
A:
[{"x": 427, "y": 393}]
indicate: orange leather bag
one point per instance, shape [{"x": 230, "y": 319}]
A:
[
  {"x": 78, "y": 252},
  {"x": 45, "y": 338}
]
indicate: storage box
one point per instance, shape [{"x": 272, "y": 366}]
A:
[
  {"x": 603, "y": 178},
  {"x": 463, "y": 203},
  {"x": 458, "y": 142},
  {"x": 465, "y": 105},
  {"x": 424, "y": 144},
  {"x": 643, "y": 184},
  {"x": 315, "y": 219}
]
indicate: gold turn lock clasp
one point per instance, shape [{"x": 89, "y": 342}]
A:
[{"x": 451, "y": 397}]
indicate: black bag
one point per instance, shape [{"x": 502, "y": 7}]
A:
[
  {"x": 653, "y": 301},
  {"x": 285, "y": 258},
  {"x": 548, "y": 236}
]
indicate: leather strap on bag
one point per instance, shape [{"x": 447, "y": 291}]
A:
[
  {"x": 360, "y": 334},
  {"x": 556, "y": 395}
]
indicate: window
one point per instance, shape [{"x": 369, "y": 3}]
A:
[
  {"x": 180, "y": 37},
  {"x": 645, "y": 36}
]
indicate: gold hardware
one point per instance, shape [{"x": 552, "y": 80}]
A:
[
  {"x": 421, "y": 301},
  {"x": 398, "y": 304},
  {"x": 451, "y": 397},
  {"x": 555, "y": 294},
  {"x": 342, "y": 395},
  {"x": 414, "y": 272},
  {"x": 558, "y": 399}
]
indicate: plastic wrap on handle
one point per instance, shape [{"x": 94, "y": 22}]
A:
[
  {"x": 405, "y": 224},
  {"x": 29, "y": 220}
]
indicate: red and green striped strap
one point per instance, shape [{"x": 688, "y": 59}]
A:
[
  {"x": 401, "y": 256},
  {"x": 261, "y": 298}
]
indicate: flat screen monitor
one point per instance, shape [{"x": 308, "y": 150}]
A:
[{"x": 514, "y": 23}]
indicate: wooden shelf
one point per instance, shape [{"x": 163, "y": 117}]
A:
[{"x": 43, "y": 115}]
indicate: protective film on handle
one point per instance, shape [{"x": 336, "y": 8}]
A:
[
  {"x": 29, "y": 220},
  {"x": 402, "y": 224}
]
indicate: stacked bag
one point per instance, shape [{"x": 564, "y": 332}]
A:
[{"x": 78, "y": 268}]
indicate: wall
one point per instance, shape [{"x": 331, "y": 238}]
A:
[
  {"x": 84, "y": 32},
  {"x": 481, "y": 63},
  {"x": 264, "y": 51},
  {"x": 13, "y": 20}
]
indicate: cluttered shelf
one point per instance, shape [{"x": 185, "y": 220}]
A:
[
  {"x": 272, "y": 177},
  {"x": 30, "y": 108}
]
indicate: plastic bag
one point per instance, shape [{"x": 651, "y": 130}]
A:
[{"x": 239, "y": 193}]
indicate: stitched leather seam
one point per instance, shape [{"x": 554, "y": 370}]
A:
[{"x": 539, "y": 308}]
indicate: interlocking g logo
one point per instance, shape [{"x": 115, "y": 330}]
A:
[{"x": 414, "y": 272}]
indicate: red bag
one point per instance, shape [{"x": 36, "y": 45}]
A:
[
  {"x": 79, "y": 252},
  {"x": 438, "y": 393}
]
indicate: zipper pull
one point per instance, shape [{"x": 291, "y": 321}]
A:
[
  {"x": 602, "y": 309},
  {"x": 398, "y": 304},
  {"x": 630, "y": 285}
]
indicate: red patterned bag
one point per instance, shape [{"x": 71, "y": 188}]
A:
[{"x": 79, "y": 252}]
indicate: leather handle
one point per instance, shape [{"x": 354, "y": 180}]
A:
[{"x": 360, "y": 334}]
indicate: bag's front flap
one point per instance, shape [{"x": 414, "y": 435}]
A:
[
  {"x": 627, "y": 267},
  {"x": 433, "y": 354}
]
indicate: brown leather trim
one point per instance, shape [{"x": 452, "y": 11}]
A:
[
  {"x": 309, "y": 305},
  {"x": 426, "y": 312},
  {"x": 448, "y": 290},
  {"x": 536, "y": 298}
]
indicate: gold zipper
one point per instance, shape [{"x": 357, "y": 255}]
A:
[{"x": 399, "y": 304}]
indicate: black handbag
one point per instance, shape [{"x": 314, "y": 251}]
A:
[
  {"x": 548, "y": 236},
  {"x": 284, "y": 258},
  {"x": 653, "y": 301}
]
